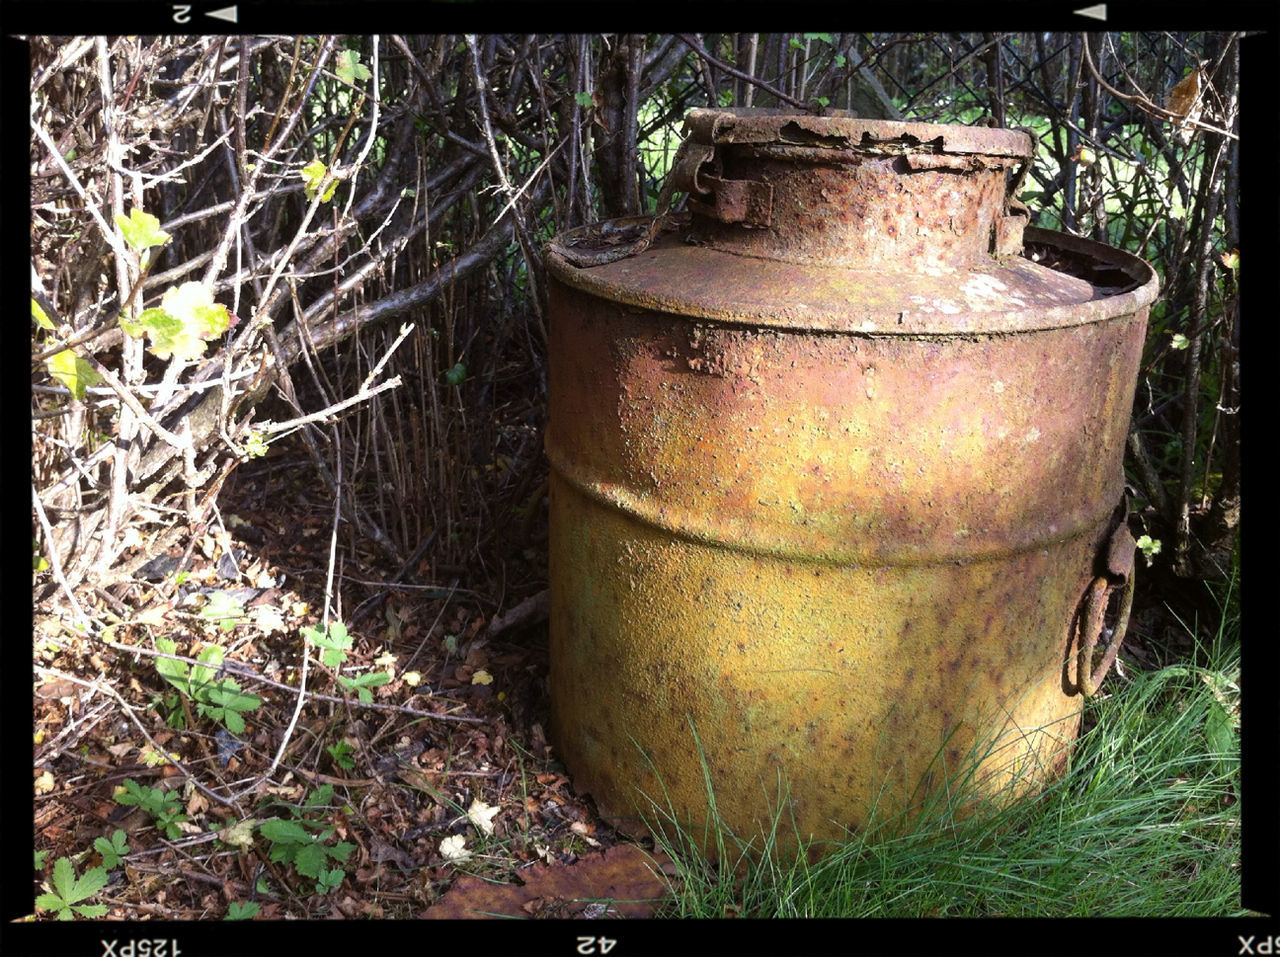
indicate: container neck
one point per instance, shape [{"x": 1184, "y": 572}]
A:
[{"x": 890, "y": 207}]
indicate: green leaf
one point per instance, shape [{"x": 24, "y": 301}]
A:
[
  {"x": 312, "y": 176},
  {"x": 113, "y": 850},
  {"x": 254, "y": 444},
  {"x": 320, "y": 797},
  {"x": 169, "y": 825},
  {"x": 456, "y": 375},
  {"x": 310, "y": 859},
  {"x": 72, "y": 371},
  {"x": 38, "y": 314},
  {"x": 349, "y": 68},
  {"x": 223, "y": 701},
  {"x": 341, "y": 851},
  {"x": 165, "y": 332},
  {"x": 584, "y": 99},
  {"x": 336, "y": 643},
  {"x": 141, "y": 230},
  {"x": 1180, "y": 341},
  {"x": 238, "y": 910},
  {"x": 193, "y": 304},
  {"x": 341, "y": 754},
  {"x": 40, "y": 858},
  {"x": 52, "y": 902},
  {"x": 149, "y": 799},
  {"x": 280, "y": 831},
  {"x": 204, "y": 673},
  {"x": 227, "y": 694},
  {"x": 362, "y": 683},
  {"x": 1219, "y": 734},
  {"x": 232, "y": 719},
  {"x": 330, "y": 880},
  {"x": 69, "y": 889},
  {"x": 186, "y": 319}
]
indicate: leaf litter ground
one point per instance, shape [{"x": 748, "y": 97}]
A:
[{"x": 441, "y": 788}]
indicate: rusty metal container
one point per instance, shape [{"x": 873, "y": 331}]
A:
[{"x": 837, "y": 485}]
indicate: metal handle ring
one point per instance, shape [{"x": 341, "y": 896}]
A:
[{"x": 1092, "y": 621}]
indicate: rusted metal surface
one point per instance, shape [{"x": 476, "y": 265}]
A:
[{"x": 834, "y": 493}]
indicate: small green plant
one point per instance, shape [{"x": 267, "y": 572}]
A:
[
  {"x": 69, "y": 890},
  {"x": 220, "y": 699},
  {"x": 335, "y": 644},
  {"x": 341, "y": 754},
  {"x": 40, "y": 858},
  {"x": 165, "y": 808},
  {"x": 361, "y": 684},
  {"x": 300, "y": 841},
  {"x": 113, "y": 850},
  {"x": 254, "y": 444},
  {"x": 237, "y": 910},
  {"x": 1150, "y": 547}
]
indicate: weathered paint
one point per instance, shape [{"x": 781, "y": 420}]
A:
[{"x": 834, "y": 513}]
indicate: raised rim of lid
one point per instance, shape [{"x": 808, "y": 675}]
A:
[
  {"x": 724, "y": 288},
  {"x": 842, "y": 130}
]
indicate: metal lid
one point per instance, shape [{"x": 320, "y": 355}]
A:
[
  {"x": 842, "y": 130},
  {"x": 847, "y": 224}
]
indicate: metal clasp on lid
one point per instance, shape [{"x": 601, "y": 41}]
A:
[{"x": 695, "y": 171}]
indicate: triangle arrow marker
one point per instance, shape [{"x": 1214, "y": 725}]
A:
[
  {"x": 1096, "y": 12},
  {"x": 227, "y": 13}
]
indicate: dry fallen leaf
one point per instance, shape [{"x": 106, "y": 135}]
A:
[
  {"x": 154, "y": 615},
  {"x": 623, "y": 875},
  {"x": 1183, "y": 96},
  {"x": 454, "y": 848},
  {"x": 584, "y": 832},
  {"x": 1185, "y": 100},
  {"x": 239, "y": 834},
  {"x": 482, "y": 815}
]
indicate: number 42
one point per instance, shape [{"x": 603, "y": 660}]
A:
[{"x": 589, "y": 945}]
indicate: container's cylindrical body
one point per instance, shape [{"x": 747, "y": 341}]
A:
[{"x": 829, "y": 486}]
